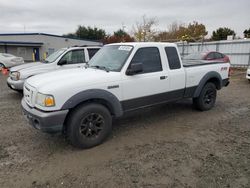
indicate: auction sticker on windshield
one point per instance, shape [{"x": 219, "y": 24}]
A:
[{"x": 125, "y": 48}]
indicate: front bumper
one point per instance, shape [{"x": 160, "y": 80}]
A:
[
  {"x": 15, "y": 85},
  {"x": 49, "y": 122}
]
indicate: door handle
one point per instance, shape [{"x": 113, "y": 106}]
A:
[{"x": 163, "y": 77}]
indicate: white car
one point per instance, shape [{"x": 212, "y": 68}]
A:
[
  {"x": 9, "y": 60},
  {"x": 248, "y": 74},
  {"x": 122, "y": 77},
  {"x": 64, "y": 58}
]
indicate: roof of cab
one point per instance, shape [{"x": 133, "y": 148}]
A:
[{"x": 146, "y": 44}]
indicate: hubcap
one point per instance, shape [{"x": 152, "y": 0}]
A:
[
  {"x": 91, "y": 125},
  {"x": 209, "y": 97}
]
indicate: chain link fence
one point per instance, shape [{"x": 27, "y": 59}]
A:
[{"x": 237, "y": 50}]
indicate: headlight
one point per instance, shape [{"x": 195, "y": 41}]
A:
[
  {"x": 15, "y": 75},
  {"x": 45, "y": 100}
]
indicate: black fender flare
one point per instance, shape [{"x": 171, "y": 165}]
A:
[
  {"x": 110, "y": 100},
  {"x": 210, "y": 75}
]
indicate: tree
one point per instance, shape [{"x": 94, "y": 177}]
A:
[
  {"x": 222, "y": 33},
  {"x": 119, "y": 36},
  {"x": 247, "y": 33},
  {"x": 90, "y": 33},
  {"x": 192, "y": 32},
  {"x": 196, "y": 31},
  {"x": 120, "y": 33},
  {"x": 144, "y": 30}
]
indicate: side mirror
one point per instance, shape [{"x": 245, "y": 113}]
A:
[
  {"x": 134, "y": 69},
  {"x": 62, "y": 62}
]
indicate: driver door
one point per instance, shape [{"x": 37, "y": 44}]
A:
[{"x": 149, "y": 86}]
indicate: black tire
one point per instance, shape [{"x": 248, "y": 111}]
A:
[
  {"x": 207, "y": 97},
  {"x": 88, "y": 125}
]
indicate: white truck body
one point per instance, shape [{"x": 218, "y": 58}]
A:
[{"x": 119, "y": 90}]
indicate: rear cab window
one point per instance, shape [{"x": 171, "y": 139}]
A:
[{"x": 173, "y": 58}]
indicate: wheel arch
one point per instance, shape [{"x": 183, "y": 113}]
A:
[
  {"x": 99, "y": 96},
  {"x": 213, "y": 77}
]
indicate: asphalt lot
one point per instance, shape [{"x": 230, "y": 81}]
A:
[{"x": 169, "y": 146}]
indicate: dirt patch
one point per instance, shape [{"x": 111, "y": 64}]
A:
[{"x": 172, "y": 145}]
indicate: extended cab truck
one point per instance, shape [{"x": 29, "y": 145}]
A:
[
  {"x": 119, "y": 78},
  {"x": 64, "y": 58}
]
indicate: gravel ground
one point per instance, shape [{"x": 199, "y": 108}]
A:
[{"x": 172, "y": 145}]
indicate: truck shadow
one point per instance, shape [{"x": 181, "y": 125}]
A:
[{"x": 152, "y": 115}]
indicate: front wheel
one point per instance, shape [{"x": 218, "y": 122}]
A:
[
  {"x": 89, "y": 125},
  {"x": 207, "y": 97}
]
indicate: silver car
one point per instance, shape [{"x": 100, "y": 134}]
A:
[{"x": 9, "y": 60}]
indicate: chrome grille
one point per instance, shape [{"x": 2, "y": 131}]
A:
[{"x": 28, "y": 94}]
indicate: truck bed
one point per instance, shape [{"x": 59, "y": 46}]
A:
[{"x": 194, "y": 63}]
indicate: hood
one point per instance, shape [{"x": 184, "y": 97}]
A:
[
  {"x": 71, "y": 79},
  {"x": 25, "y": 65},
  {"x": 31, "y": 69}
]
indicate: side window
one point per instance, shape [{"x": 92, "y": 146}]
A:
[
  {"x": 173, "y": 58},
  {"x": 218, "y": 56},
  {"x": 210, "y": 56},
  {"x": 92, "y": 52},
  {"x": 150, "y": 59},
  {"x": 74, "y": 56}
]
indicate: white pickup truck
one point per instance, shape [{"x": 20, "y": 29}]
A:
[
  {"x": 64, "y": 58},
  {"x": 119, "y": 78}
]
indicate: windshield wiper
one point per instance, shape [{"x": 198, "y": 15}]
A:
[{"x": 101, "y": 68}]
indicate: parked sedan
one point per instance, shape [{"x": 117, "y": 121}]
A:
[
  {"x": 208, "y": 56},
  {"x": 9, "y": 60}
]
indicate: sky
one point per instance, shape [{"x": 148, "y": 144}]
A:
[{"x": 63, "y": 16}]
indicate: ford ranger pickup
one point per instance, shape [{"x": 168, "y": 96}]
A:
[{"x": 122, "y": 77}]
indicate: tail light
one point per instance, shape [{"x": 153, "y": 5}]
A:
[{"x": 5, "y": 71}]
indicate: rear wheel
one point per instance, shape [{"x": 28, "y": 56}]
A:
[
  {"x": 207, "y": 97},
  {"x": 89, "y": 125}
]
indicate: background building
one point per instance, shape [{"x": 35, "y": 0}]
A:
[{"x": 37, "y": 46}]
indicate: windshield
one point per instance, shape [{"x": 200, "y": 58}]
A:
[
  {"x": 195, "y": 56},
  {"x": 54, "y": 56},
  {"x": 111, "y": 58}
]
